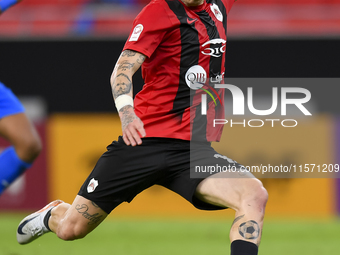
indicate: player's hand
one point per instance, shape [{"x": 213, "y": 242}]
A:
[{"x": 132, "y": 126}]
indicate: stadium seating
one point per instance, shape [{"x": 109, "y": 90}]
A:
[{"x": 112, "y": 18}]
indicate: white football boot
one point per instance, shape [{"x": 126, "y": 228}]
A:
[{"x": 32, "y": 227}]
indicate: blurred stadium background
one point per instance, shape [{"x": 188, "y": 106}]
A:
[{"x": 58, "y": 55}]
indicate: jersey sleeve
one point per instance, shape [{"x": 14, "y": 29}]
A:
[
  {"x": 228, "y": 4},
  {"x": 149, "y": 28}
]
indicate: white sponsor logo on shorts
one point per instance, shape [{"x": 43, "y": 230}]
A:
[
  {"x": 136, "y": 33},
  {"x": 224, "y": 157},
  {"x": 92, "y": 185}
]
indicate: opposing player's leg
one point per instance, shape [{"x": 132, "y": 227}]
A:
[
  {"x": 21, "y": 133},
  {"x": 68, "y": 222},
  {"x": 247, "y": 196},
  {"x": 26, "y": 146}
]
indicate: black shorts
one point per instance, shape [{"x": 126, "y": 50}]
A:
[{"x": 124, "y": 171}]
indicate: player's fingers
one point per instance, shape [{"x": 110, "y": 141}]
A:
[
  {"x": 132, "y": 140},
  {"x": 135, "y": 135},
  {"x": 141, "y": 130},
  {"x": 130, "y": 137},
  {"x": 126, "y": 140}
]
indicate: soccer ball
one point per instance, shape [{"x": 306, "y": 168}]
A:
[{"x": 249, "y": 229}]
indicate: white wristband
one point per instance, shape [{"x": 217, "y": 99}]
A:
[{"x": 123, "y": 100}]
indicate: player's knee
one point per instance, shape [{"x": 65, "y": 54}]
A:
[
  {"x": 35, "y": 146},
  {"x": 71, "y": 232},
  {"x": 255, "y": 195},
  {"x": 30, "y": 148}
]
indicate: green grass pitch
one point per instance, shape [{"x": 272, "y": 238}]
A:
[{"x": 128, "y": 236}]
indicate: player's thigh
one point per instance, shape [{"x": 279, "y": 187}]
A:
[
  {"x": 80, "y": 219},
  {"x": 229, "y": 189}
]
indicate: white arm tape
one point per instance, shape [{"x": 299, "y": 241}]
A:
[{"x": 123, "y": 100}]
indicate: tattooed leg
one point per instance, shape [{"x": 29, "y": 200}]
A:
[
  {"x": 93, "y": 218},
  {"x": 249, "y": 230},
  {"x": 75, "y": 221},
  {"x": 237, "y": 219},
  {"x": 246, "y": 228},
  {"x": 245, "y": 195}
]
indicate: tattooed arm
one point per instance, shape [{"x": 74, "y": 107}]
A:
[{"x": 121, "y": 83}]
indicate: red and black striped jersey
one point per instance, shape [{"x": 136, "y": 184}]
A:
[{"x": 181, "y": 43}]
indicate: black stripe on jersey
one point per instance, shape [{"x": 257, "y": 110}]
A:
[
  {"x": 199, "y": 129},
  {"x": 199, "y": 125},
  {"x": 191, "y": 47},
  {"x": 215, "y": 62}
]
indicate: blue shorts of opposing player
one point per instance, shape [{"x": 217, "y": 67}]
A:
[{"x": 11, "y": 166}]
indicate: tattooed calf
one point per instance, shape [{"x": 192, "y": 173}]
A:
[
  {"x": 94, "y": 204},
  {"x": 93, "y": 218},
  {"x": 249, "y": 229},
  {"x": 237, "y": 219}
]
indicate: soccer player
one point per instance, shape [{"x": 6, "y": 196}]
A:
[
  {"x": 20, "y": 132},
  {"x": 177, "y": 43},
  {"x": 17, "y": 129}
]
